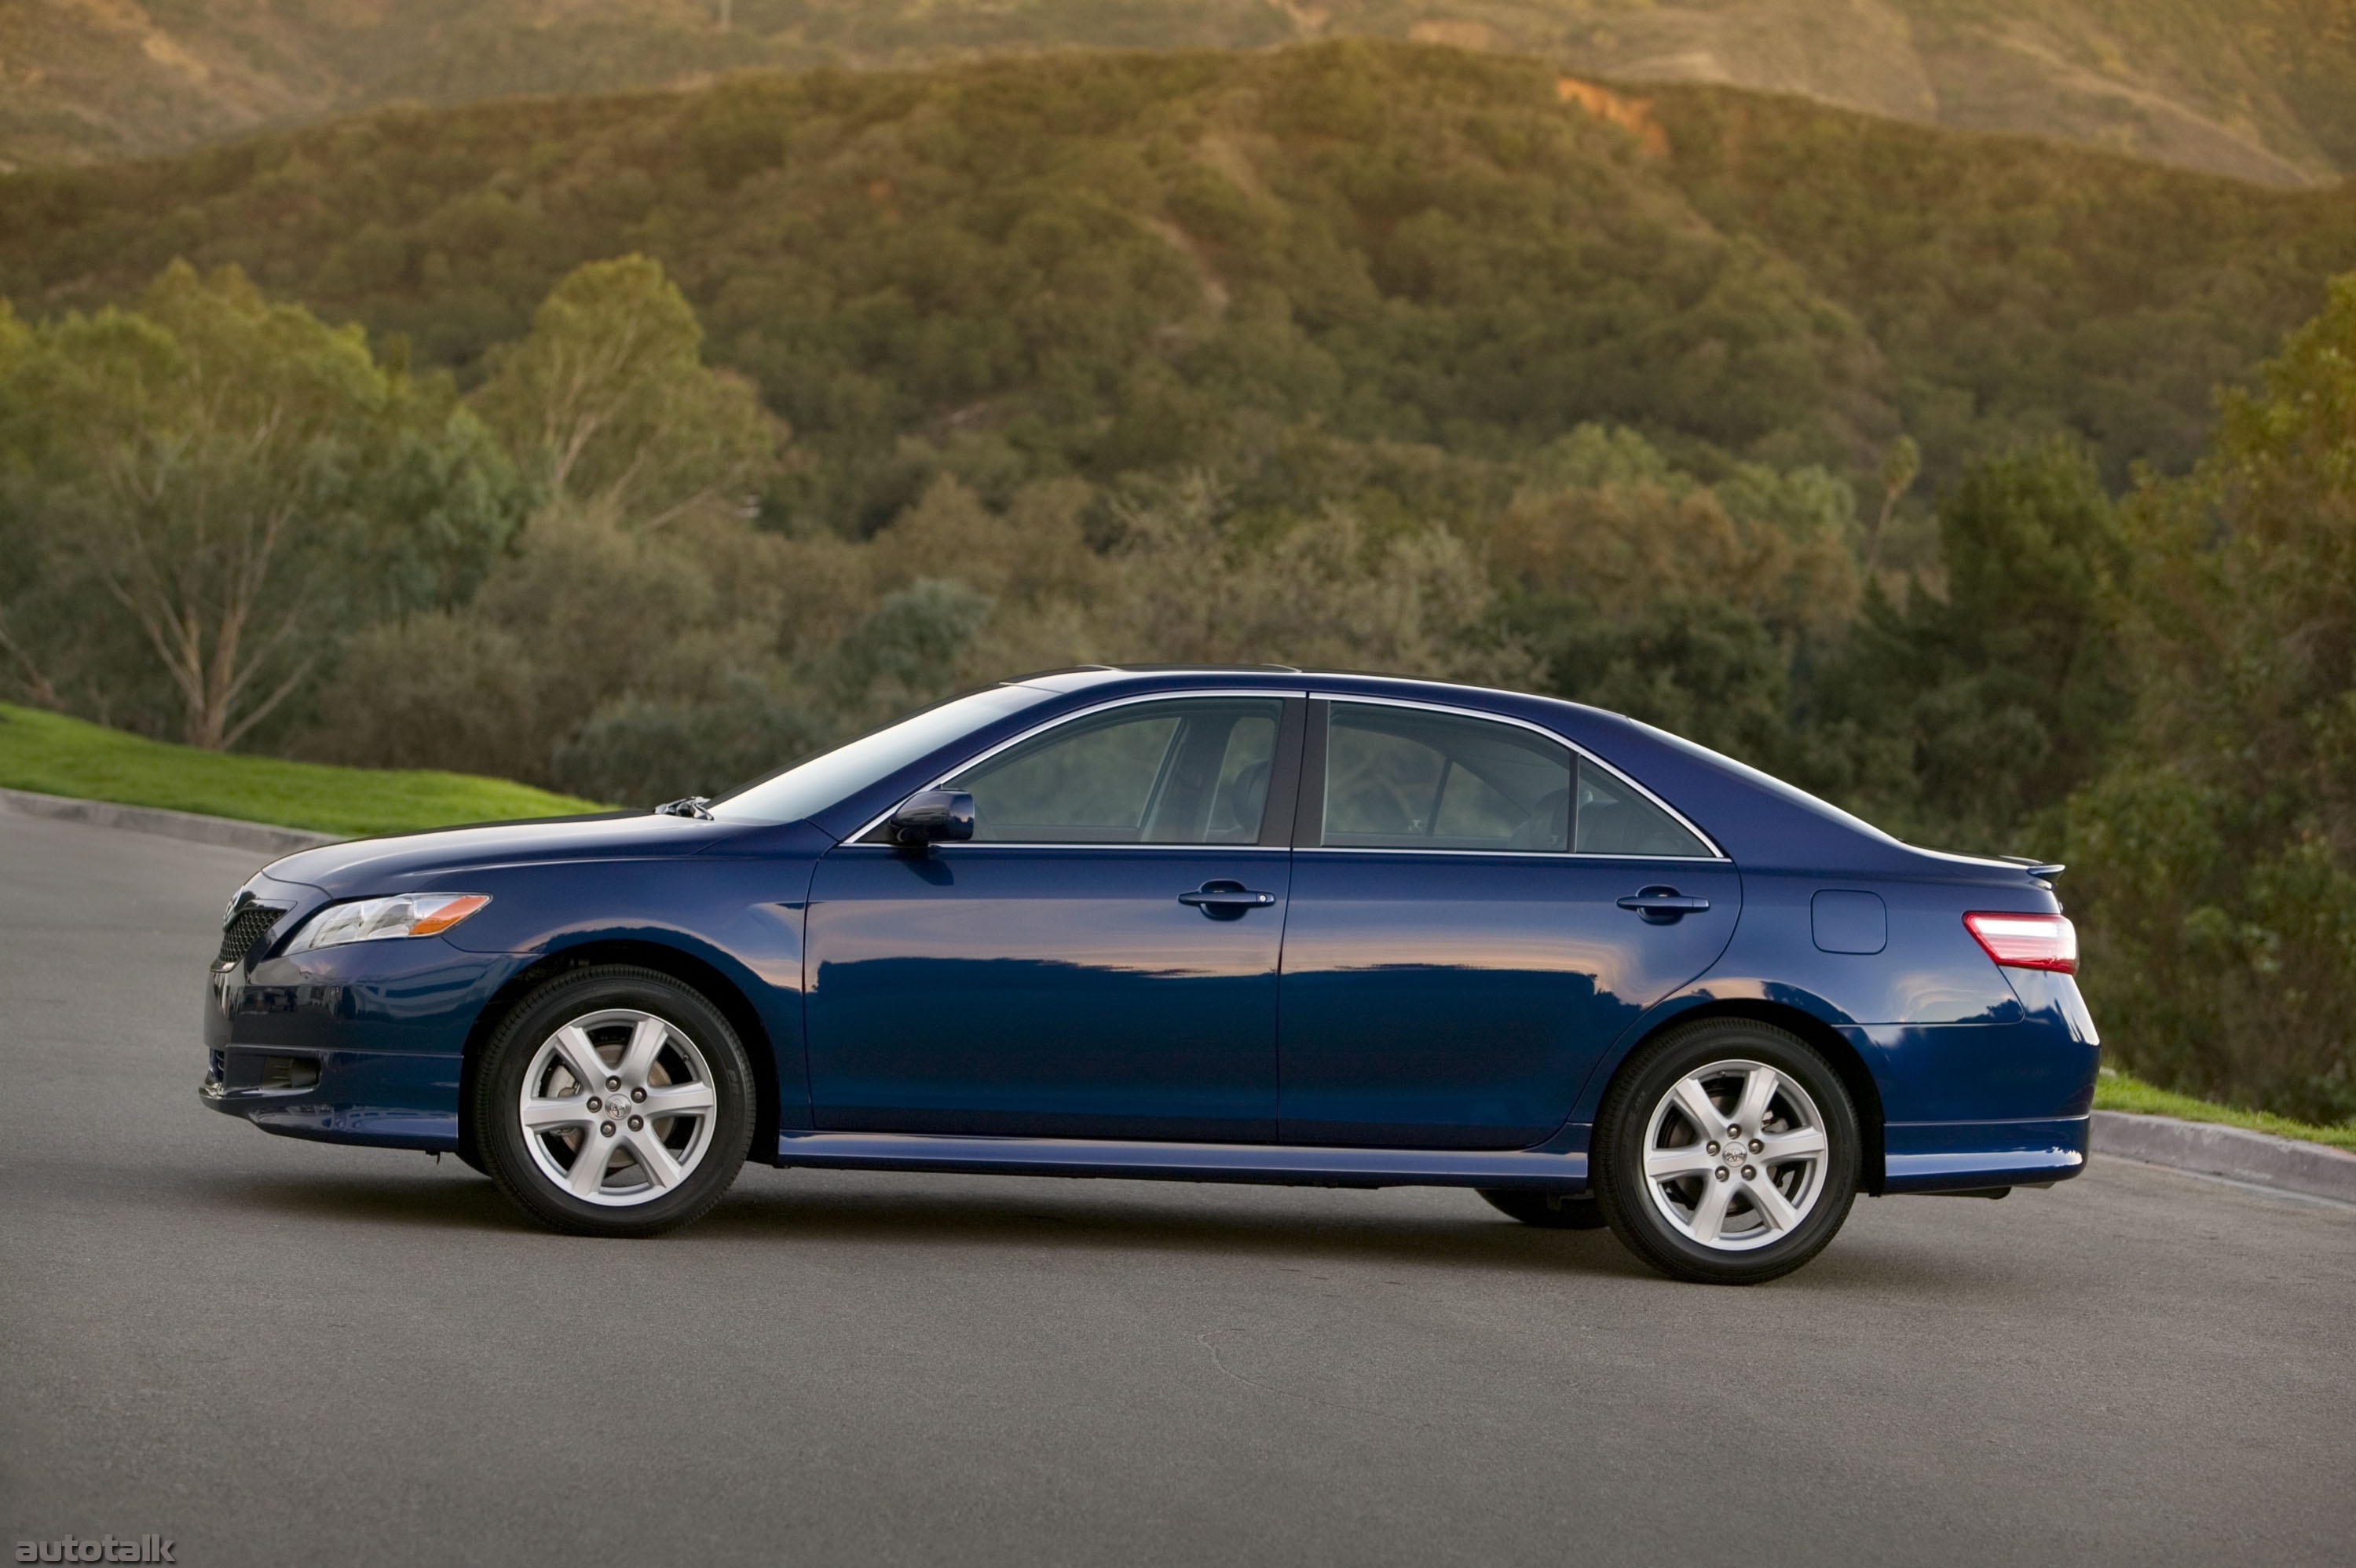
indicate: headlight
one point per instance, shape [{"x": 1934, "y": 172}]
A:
[{"x": 404, "y": 914}]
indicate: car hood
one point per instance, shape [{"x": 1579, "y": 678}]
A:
[{"x": 396, "y": 864}]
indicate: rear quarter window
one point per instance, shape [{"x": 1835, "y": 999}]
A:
[{"x": 1614, "y": 818}]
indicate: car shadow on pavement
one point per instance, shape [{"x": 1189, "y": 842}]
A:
[
  {"x": 969, "y": 1219},
  {"x": 1018, "y": 1215},
  {"x": 1020, "y": 1221}
]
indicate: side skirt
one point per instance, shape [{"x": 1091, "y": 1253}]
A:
[{"x": 1267, "y": 1164}]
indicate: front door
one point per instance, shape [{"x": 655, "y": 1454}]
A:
[
  {"x": 1457, "y": 957},
  {"x": 1101, "y": 961}
]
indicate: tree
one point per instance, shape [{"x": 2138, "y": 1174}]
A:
[
  {"x": 1900, "y": 466},
  {"x": 608, "y": 403},
  {"x": 1697, "y": 608},
  {"x": 1328, "y": 592},
  {"x": 2006, "y": 690},
  {"x": 904, "y": 653},
  {"x": 241, "y": 482},
  {"x": 2220, "y": 854},
  {"x": 19, "y": 549}
]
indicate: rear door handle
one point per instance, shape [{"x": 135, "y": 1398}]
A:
[
  {"x": 1226, "y": 900},
  {"x": 1663, "y": 906}
]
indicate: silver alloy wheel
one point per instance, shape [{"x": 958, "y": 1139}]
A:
[
  {"x": 618, "y": 1107},
  {"x": 1735, "y": 1155}
]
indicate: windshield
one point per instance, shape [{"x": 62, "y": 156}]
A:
[{"x": 831, "y": 776}]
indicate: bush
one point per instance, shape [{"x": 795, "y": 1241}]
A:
[
  {"x": 446, "y": 689},
  {"x": 642, "y": 753}
]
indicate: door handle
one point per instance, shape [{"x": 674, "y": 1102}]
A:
[
  {"x": 1226, "y": 900},
  {"x": 1664, "y": 906}
]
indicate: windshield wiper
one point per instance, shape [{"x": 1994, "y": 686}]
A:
[{"x": 686, "y": 806}]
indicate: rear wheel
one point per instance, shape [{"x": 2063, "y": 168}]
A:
[
  {"x": 1727, "y": 1152},
  {"x": 1549, "y": 1210},
  {"x": 614, "y": 1102}
]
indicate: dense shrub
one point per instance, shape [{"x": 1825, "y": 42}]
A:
[{"x": 2221, "y": 851}]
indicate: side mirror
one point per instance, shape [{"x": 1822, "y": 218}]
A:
[{"x": 932, "y": 817}]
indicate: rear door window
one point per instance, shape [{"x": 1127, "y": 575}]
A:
[
  {"x": 1408, "y": 778},
  {"x": 1405, "y": 778},
  {"x": 1615, "y": 819}
]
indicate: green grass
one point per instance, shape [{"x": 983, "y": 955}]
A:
[
  {"x": 2117, "y": 1090},
  {"x": 56, "y": 755}
]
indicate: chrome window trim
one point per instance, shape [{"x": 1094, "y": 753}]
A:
[
  {"x": 1549, "y": 856},
  {"x": 1040, "y": 729},
  {"x": 963, "y": 846},
  {"x": 1679, "y": 817},
  {"x": 1716, "y": 855}
]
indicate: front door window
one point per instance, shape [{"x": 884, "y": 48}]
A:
[{"x": 1191, "y": 772}]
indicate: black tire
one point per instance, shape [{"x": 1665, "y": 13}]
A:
[
  {"x": 1628, "y": 1204},
  {"x": 1547, "y": 1211},
  {"x": 500, "y": 1138}
]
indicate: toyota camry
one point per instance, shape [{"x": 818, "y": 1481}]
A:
[{"x": 1217, "y": 924}]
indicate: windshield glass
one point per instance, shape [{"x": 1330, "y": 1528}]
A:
[{"x": 831, "y": 776}]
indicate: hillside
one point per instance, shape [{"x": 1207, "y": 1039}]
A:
[
  {"x": 1356, "y": 254},
  {"x": 2261, "y": 89}
]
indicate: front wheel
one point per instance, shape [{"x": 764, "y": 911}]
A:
[
  {"x": 614, "y": 1102},
  {"x": 1727, "y": 1153}
]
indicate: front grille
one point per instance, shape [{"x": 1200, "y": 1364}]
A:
[{"x": 247, "y": 925}]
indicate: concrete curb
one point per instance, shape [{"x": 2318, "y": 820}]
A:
[
  {"x": 2214, "y": 1149},
  {"x": 225, "y": 831}
]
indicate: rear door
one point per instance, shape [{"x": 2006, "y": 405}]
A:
[{"x": 1458, "y": 955}]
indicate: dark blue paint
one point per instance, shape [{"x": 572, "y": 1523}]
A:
[
  {"x": 1048, "y": 992},
  {"x": 1392, "y": 1016},
  {"x": 2033, "y": 1067},
  {"x": 1459, "y": 1001},
  {"x": 1850, "y": 922},
  {"x": 388, "y": 998},
  {"x": 389, "y": 1101},
  {"x": 1957, "y": 1157}
]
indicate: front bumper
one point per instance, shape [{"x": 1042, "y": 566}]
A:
[
  {"x": 359, "y": 1044},
  {"x": 353, "y": 1097}
]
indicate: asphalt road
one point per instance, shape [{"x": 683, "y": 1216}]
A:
[{"x": 278, "y": 1352}]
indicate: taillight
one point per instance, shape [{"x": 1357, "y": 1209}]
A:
[{"x": 2026, "y": 941}]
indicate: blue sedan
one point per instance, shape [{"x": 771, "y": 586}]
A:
[{"x": 1244, "y": 924}]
